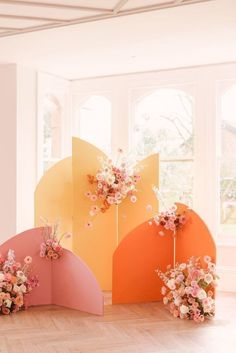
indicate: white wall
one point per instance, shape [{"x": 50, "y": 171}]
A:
[
  {"x": 17, "y": 149},
  {"x": 26, "y": 146},
  {"x": 8, "y": 109}
]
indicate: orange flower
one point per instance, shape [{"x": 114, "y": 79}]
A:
[
  {"x": 13, "y": 279},
  {"x": 19, "y": 300},
  {"x": 50, "y": 253}
]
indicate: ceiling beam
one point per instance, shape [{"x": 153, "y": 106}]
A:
[
  {"x": 33, "y": 18},
  {"x": 162, "y": 6},
  {"x": 119, "y": 6},
  {"x": 103, "y": 17},
  {"x": 55, "y": 6},
  {"x": 10, "y": 28}
]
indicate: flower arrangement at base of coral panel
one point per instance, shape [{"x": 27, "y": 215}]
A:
[
  {"x": 16, "y": 281},
  {"x": 188, "y": 289}
]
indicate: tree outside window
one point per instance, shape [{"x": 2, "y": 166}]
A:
[{"x": 164, "y": 124}]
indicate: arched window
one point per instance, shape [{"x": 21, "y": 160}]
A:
[
  {"x": 95, "y": 122},
  {"x": 51, "y": 131},
  {"x": 228, "y": 162},
  {"x": 163, "y": 123}
]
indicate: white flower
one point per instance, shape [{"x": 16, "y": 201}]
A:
[
  {"x": 165, "y": 300},
  {"x": 16, "y": 289},
  {"x": 133, "y": 199},
  {"x": 184, "y": 309},
  {"x": 8, "y": 303},
  {"x": 188, "y": 290},
  {"x": 21, "y": 276},
  {"x": 178, "y": 301},
  {"x": 171, "y": 284},
  {"x": 208, "y": 278},
  {"x": 201, "y": 294},
  {"x": 110, "y": 179},
  {"x": 23, "y": 288},
  {"x": 182, "y": 266}
]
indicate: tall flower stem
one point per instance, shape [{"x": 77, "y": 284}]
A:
[
  {"x": 117, "y": 225},
  {"x": 174, "y": 248}
]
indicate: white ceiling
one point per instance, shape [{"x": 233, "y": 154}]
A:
[{"x": 179, "y": 36}]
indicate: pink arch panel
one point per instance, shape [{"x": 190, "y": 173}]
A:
[{"x": 67, "y": 282}]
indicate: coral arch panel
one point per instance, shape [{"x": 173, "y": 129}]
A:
[{"x": 66, "y": 282}]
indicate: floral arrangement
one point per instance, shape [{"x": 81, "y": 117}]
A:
[
  {"x": 15, "y": 283},
  {"x": 51, "y": 246},
  {"x": 170, "y": 218},
  {"x": 112, "y": 183},
  {"x": 189, "y": 289}
]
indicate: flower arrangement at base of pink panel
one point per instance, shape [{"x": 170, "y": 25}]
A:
[
  {"x": 51, "y": 247},
  {"x": 112, "y": 183},
  {"x": 188, "y": 289},
  {"x": 16, "y": 282}
]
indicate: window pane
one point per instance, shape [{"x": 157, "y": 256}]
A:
[
  {"x": 164, "y": 124},
  {"x": 176, "y": 182},
  {"x": 95, "y": 122},
  {"x": 228, "y": 163}
]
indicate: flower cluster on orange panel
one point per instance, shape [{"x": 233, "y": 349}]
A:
[
  {"x": 51, "y": 247},
  {"x": 112, "y": 183},
  {"x": 16, "y": 281},
  {"x": 169, "y": 219},
  {"x": 189, "y": 289}
]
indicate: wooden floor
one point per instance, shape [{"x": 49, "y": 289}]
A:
[{"x": 142, "y": 328}]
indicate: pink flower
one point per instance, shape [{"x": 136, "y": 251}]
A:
[
  {"x": 88, "y": 194},
  {"x": 88, "y": 225},
  {"x": 95, "y": 208},
  {"x": 176, "y": 313},
  {"x": 93, "y": 198},
  {"x": 163, "y": 290},
  {"x": 28, "y": 260},
  {"x": 182, "y": 219},
  {"x": 207, "y": 259},
  {"x": 149, "y": 208}
]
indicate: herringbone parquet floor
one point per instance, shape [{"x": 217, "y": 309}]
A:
[{"x": 138, "y": 328}]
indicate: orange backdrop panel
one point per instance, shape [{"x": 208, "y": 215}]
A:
[
  {"x": 133, "y": 214},
  {"x": 194, "y": 239},
  {"x": 135, "y": 260},
  {"x": 53, "y": 198},
  {"x": 95, "y": 246}
]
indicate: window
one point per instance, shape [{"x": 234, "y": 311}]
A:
[
  {"x": 163, "y": 123},
  {"x": 228, "y": 163},
  {"x": 51, "y": 131},
  {"x": 95, "y": 122}
]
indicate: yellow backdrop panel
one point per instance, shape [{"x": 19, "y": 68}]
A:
[
  {"x": 131, "y": 214},
  {"x": 53, "y": 197},
  {"x": 96, "y": 245}
]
